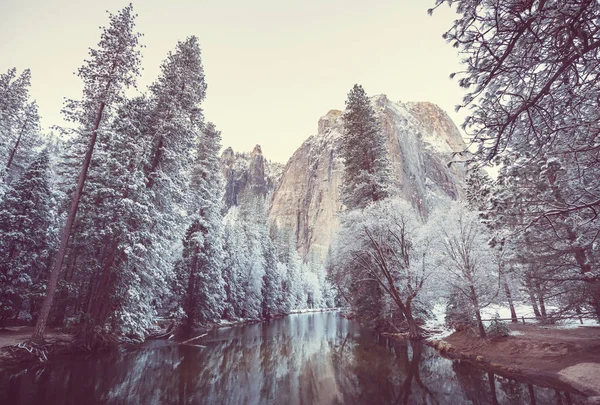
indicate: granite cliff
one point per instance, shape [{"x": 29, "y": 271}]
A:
[
  {"x": 304, "y": 195},
  {"x": 248, "y": 173},
  {"x": 421, "y": 140}
]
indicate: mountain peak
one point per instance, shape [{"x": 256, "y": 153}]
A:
[
  {"x": 380, "y": 100},
  {"x": 420, "y": 139},
  {"x": 327, "y": 122},
  {"x": 257, "y": 151}
]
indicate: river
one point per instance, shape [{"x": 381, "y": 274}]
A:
[{"x": 315, "y": 358}]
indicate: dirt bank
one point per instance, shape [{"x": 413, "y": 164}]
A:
[
  {"x": 541, "y": 354},
  {"x": 15, "y": 351}
]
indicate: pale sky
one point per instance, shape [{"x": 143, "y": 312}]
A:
[{"x": 273, "y": 67}]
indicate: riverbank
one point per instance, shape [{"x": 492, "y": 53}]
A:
[
  {"x": 541, "y": 354},
  {"x": 16, "y": 351}
]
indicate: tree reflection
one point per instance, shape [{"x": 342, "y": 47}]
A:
[{"x": 299, "y": 360}]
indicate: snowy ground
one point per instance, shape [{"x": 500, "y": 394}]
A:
[
  {"x": 303, "y": 311},
  {"x": 437, "y": 323},
  {"x": 225, "y": 323}
]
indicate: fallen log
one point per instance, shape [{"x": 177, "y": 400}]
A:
[{"x": 192, "y": 339}]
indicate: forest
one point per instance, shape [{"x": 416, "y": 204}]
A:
[
  {"x": 525, "y": 234},
  {"x": 117, "y": 219}
]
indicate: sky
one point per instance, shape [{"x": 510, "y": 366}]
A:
[{"x": 273, "y": 67}]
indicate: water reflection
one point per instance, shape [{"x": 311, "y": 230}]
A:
[{"x": 301, "y": 359}]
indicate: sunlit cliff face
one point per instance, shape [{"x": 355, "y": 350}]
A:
[{"x": 421, "y": 140}]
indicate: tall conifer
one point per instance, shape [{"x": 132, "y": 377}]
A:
[
  {"x": 367, "y": 169},
  {"x": 111, "y": 68}
]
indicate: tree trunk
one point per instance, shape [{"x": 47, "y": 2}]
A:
[
  {"x": 62, "y": 300},
  {"x": 542, "y": 303},
  {"x": 492, "y": 382},
  {"x": 100, "y": 304},
  {"x": 542, "y": 306},
  {"x": 533, "y": 301},
  {"x": 595, "y": 287},
  {"x": 40, "y": 326},
  {"x": 13, "y": 152},
  {"x": 414, "y": 331},
  {"x": 480, "y": 323},
  {"x": 511, "y": 305},
  {"x": 191, "y": 293},
  {"x": 154, "y": 164},
  {"x": 475, "y": 302},
  {"x": 531, "y": 394}
]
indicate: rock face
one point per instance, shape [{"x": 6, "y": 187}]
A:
[
  {"x": 248, "y": 173},
  {"x": 421, "y": 140}
]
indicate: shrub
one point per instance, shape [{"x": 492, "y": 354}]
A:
[{"x": 497, "y": 328}]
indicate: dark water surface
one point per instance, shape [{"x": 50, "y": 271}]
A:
[{"x": 317, "y": 358}]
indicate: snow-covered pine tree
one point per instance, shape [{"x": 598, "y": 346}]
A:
[
  {"x": 554, "y": 250},
  {"x": 366, "y": 166},
  {"x": 253, "y": 222},
  {"x": 112, "y": 67},
  {"x": 272, "y": 294},
  {"x": 478, "y": 188},
  {"x": 288, "y": 262},
  {"x": 25, "y": 142},
  {"x": 203, "y": 243},
  {"x": 236, "y": 264},
  {"x": 117, "y": 265},
  {"x": 19, "y": 124},
  {"x": 14, "y": 92},
  {"x": 25, "y": 227},
  {"x": 176, "y": 122}
]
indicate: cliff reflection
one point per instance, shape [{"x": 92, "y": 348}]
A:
[{"x": 301, "y": 359}]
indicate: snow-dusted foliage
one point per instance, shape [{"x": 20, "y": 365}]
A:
[
  {"x": 367, "y": 171},
  {"x": 552, "y": 255},
  {"x": 381, "y": 262},
  {"x": 26, "y": 240},
  {"x": 531, "y": 73},
  {"x": 112, "y": 67},
  {"x": 203, "y": 243},
  {"x": 531, "y": 77},
  {"x": 116, "y": 214},
  {"x": 263, "y": 273},
  {"x": 392, "y": 268},
  {"x": 19, "y": 125},
  {"x": 466, "y": 265}
]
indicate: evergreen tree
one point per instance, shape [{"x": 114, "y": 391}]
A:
[
  {"x": 19, "y": 124},
  {"x": 253, "y": 218},
  {"x": 203, "y": 243},
  {"x": 367, "y": 169},
  {"x": 478, "y": 189},
  {"x": 14, "y": 92},
  {"x": 297, "y": 298},
  {"x": 118, "y": 262},
  {"x": 26, "y": 140},
  {"x": 25, "y": 228},
  {"x": 112, "y": 67},
  {"x": 235, "y": 256},
  {"x": 272, "y": 298},
  {"x": 176, "y": 121}
]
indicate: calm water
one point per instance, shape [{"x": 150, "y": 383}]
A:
[{"x": 305, "y": 359}]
